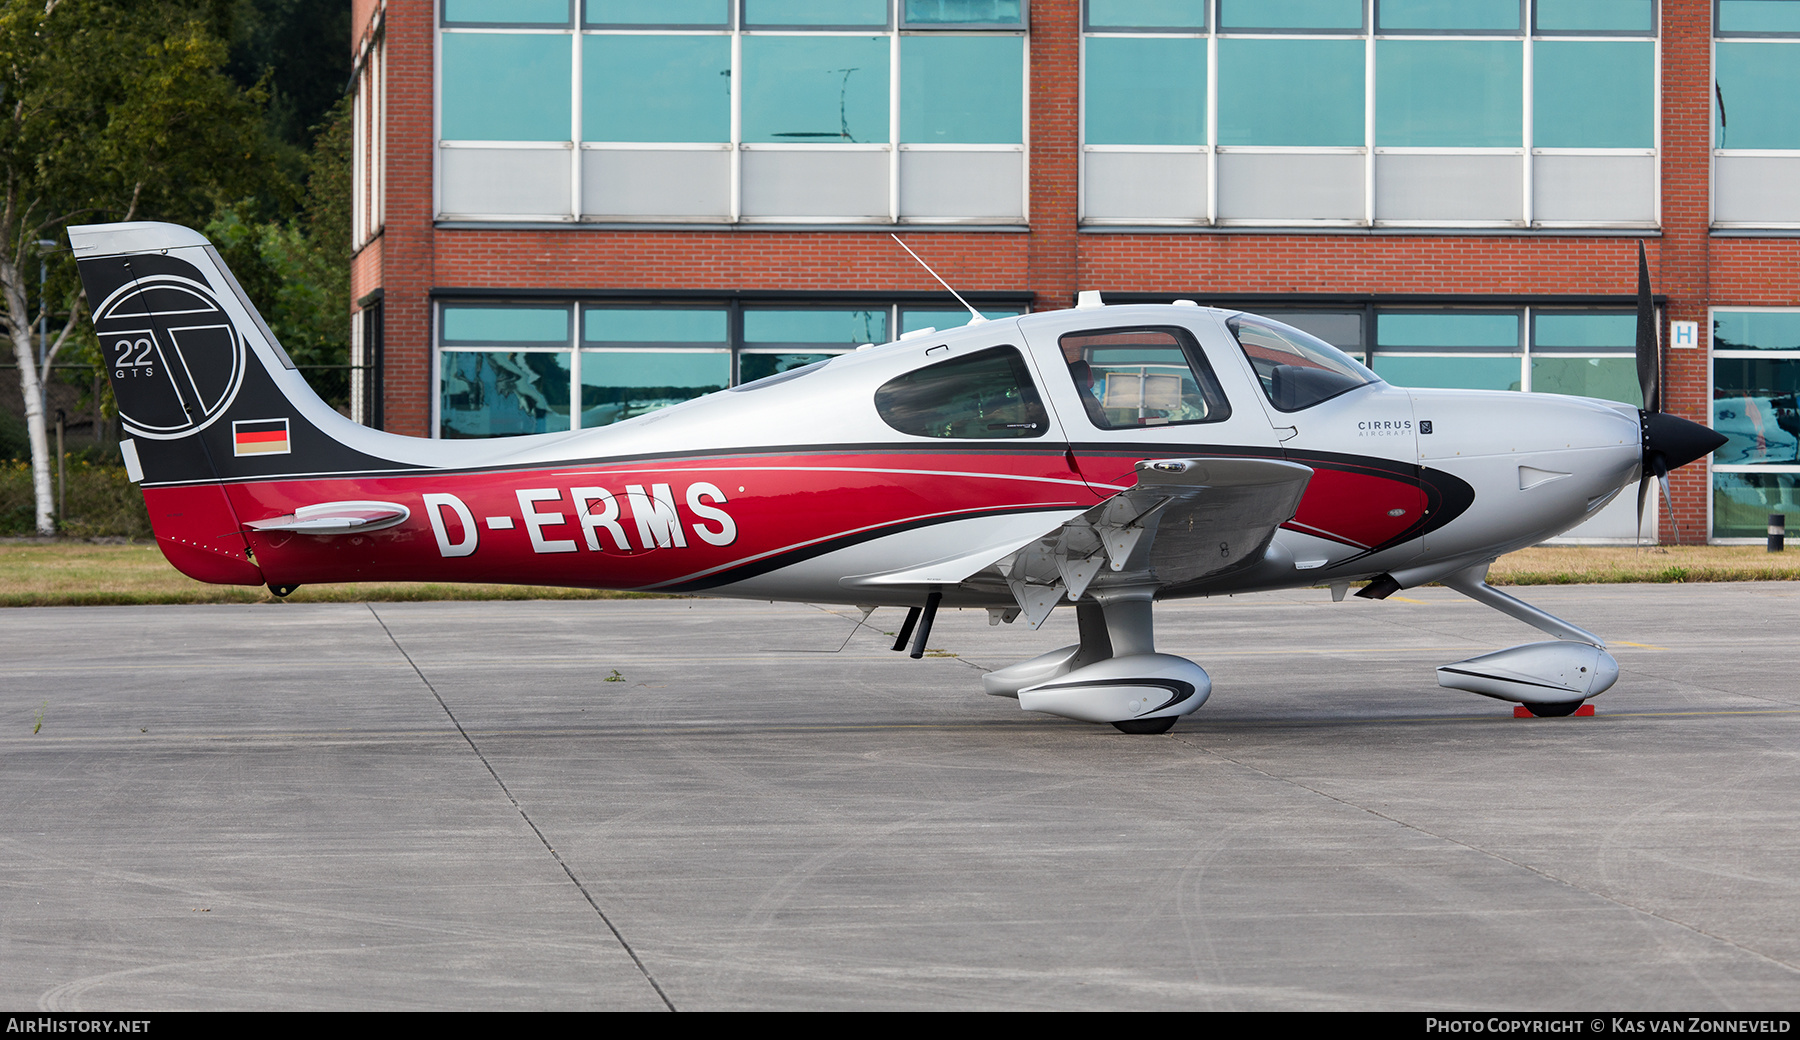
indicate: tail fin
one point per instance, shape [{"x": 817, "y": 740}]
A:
[{"x": 206, "y": 395}]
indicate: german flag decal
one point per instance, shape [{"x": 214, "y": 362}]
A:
[{"x": 260, "y": 437}]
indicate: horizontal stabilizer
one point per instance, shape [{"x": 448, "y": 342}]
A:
[{"x": 335, "y": 518}]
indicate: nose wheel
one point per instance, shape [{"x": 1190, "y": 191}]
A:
[{"x": 1554, "y": 711}]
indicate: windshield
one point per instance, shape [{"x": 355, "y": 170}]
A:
[{"x": 1296, "y": 370}]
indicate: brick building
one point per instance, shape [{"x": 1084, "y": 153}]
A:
[{"x": 572, "y": 211}]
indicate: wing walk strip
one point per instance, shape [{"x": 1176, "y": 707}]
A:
[
  {"x": 585, "y": 894},
  {"x": 844, "y": 539}
]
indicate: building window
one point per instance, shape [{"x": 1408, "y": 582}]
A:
[
  {"x": 1581, "y": 351},
  {"x": 507, "y": 368},
  {"x": 368, "y": 145},
  {"x": 1756, "y": 113},
  {"x": 1427, "y": 113},
  {"x": 504, "y": 371},
  {"x": 638, "y": 359},
  {"x": 1470, "y": 350},
  {"x": 1549, "y": 350},
  {"x": 778, "y": 340},
  {"x": 709, "y": 111},
  {"x": 1755, "y": 377}
]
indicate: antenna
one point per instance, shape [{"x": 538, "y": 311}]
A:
[{"x": 975, "y": 317}]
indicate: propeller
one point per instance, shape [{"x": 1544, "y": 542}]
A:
[{"x": 1670, "y": 441}]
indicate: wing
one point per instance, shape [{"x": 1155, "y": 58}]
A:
[{"x": 1183, "y": 520}]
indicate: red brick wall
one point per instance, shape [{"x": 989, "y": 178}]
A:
[
  {"x": 1681, "y": 268},
  {"x": 408, "y": 246},
  {"x": 728, "y": 260},
  {"x": 362, "y": 17},
  {"x": 1055, "y": 152}
]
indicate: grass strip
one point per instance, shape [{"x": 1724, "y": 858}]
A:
[
  {"x": 51, "y": 572},
  {"x": 57, "y": 573},
  {"x": 1609, "y": 564}
]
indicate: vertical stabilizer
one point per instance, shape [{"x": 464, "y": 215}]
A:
[{"x": 206, "y": 395}]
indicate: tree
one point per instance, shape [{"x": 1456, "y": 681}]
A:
[
  {"x": 298, "y": 270},
  {"x": 109, "y": 110}
]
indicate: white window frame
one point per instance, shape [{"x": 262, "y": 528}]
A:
[
  {"x": 1527, "y": 151},
  {"x": 1793, "y": 154},
  {"x": 735, "y": 346},
  {"x": 736, "y": 146},
  {"x": 1720, "y": 467},
  {"x": 368, "y": 146}
]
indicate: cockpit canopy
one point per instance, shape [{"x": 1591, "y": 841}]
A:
[{"x": 1297, "y": 370}]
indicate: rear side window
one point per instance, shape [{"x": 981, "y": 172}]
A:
[
  {"x": 1129, "y": 378},
  {"x": 985, "y": 394}
]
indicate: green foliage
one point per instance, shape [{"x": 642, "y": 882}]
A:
[
  {"x": 296, "y": 52},
  {"x": 121, "y": 107},
  {"x": 226, "y": 115},
  {"x": 102, "y": 501},
  {"x": 301, "y": 290},
  {"x": 297, "y": 272},
  {"x": 114, "y": 110},
  {"x": 13, "y": 443}
]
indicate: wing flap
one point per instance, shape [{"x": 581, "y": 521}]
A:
[{"x": 1185, "y": 519}]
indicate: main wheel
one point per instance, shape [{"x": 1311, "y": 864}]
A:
[
  {"x": 1553, "y": 711},
  {"x": 1158, "y": 725}
]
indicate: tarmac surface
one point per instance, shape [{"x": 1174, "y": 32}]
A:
[{"x": 694, "y": 804}]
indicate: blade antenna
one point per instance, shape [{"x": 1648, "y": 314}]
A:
[{"x": 975, "y": 317}]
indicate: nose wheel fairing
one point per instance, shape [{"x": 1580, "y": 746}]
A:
[{"x": 1546, "y": 676}]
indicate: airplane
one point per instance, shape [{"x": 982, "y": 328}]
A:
[{"x": 1106, "y": 457}]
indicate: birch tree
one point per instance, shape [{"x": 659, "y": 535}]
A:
[{"x": 109, "y": 110}]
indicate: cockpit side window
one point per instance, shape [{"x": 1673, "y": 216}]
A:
[
  {"x": 1130, "y": 378},
  {"x": 985, "y": 394},
  {"x": 1296, "y": 370}
]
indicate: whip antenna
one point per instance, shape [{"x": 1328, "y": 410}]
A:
[{"x": 975, "y": 317}]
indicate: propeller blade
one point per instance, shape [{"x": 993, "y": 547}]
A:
[
  {"x": 1671, "y": 442},
  {"x": 1648, "y": 361},
  {"x": 1662, "y": 475},
  {"x": 1643, "y": 486}
]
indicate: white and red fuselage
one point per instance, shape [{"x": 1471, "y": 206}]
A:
[
  {"x": 1192, "y": 451},
  {"x": 788, "y": 488}
]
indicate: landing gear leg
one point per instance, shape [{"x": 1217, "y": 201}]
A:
[
  {"x": 1130, "y": 624},
  {"x": 1114, "y": 674},
  {"x": 1552, "y": 678}
]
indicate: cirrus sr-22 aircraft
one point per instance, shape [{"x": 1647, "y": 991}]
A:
[{"x": 1106, "y": 457}]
